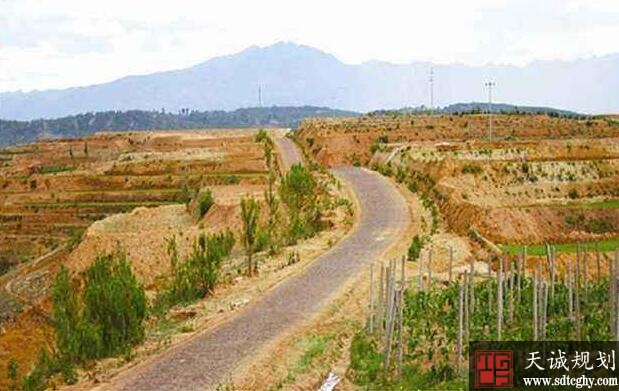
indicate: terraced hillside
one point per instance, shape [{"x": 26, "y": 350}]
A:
[
  {"x": 50, "y": 191},
  {"x": 104, "y": 193},
  {"x": 539, "y": 179}
]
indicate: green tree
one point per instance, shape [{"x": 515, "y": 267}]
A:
[
  {"x": 197, "y": 275},
  {"x": 298, "y": 191},
  {"x": 414, "y": 250},
  {"x": 269, "y": 195},
  {"x": 115, "y": 303},
  {"x": 67, "y": 315},
  {"x": 205, "y": 202},
  {"x": 12, "y": 369},
  {"x": 250, "y": 211}
]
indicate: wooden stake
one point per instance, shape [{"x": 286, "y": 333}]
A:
[
  {"x": 390, "y": 327},
  {"x": 466, "y": 304},
  {"x": 490, "y": 285},
  {"x": 420, "y": 273},
  {"x": 499, "y": 299},
  {"x": 472, "y": 289},
  {"x": 535, "y": 321},
  {"x": 598, "y": 261},
  {"x": 400, "y": 331},
  {"x": 577, "y": 295},
  {"x": 524, "y": 261},
  {"x": 612, "y": 294},
  {"x": 511, "y": 293},
  {"x": 520, "y": 268},
  {"x": 381, "y": 307},
  {"x": 553, "y": 272},
  {"x": 617, "y": 311},
  {"x": 430, "y": 268},
  {"x": 570, "y": 292},
  {"x": 451, "y": 262},
  {"x": 544, "y": 310},
  {"x": 459, "y": 349},
  {"x": 371, "y": 316},
  {"x": 585, "y": 269}
]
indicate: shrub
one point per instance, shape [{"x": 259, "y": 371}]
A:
[
  {"x": 573, "y": 194},
  {"x": 205, "y": 202},
  {"x": 231, "y": 180},
  {"x": 12, "y": 369},
  {"x": 599, "y": 226},
  {"x": 115, "y": 306},
  {"x": 298, "y": 192},
  {"x": 198, "y": 274},
  {"x": 250, "y": 211},
  {"x": 414, "y": 250},
  {"x": 472, "y": 169},
  {"x": 106, "y": 320},
  {"x": 365, "y": 360},
  {"x": 5, "y": 264}
]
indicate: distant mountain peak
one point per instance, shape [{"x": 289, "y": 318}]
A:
[{"x": 290, "y": 74}]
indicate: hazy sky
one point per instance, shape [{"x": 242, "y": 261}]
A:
[{"x": 60, "y": 43}]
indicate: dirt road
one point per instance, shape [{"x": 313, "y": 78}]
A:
[
  {"x": 289, "y": 152},
  {"x": 206, "y": 360}
]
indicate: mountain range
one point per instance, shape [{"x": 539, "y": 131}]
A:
[{"x": 288, "y": 74}]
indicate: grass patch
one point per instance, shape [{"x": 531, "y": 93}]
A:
[
  {"x": 69, "y": 204},
  {"x": 54, "y": 168},
  {"x": 540, "y": 249},
  {"x": 315, "y": 346},
  {"x": 606, "y": 204}
]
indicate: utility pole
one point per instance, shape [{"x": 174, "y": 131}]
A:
[
  {"x": 490, "y": 84},
  {"x": 431, "y": 90},
  {"x": 259, "y": 95}
]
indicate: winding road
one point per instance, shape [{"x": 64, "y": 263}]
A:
[{"x": 206, "y": 360}]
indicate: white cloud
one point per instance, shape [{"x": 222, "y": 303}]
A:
[{"x": 54, "y": 44}]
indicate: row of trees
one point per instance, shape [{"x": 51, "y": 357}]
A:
[
  {"x": 195, "y": 276},
  {"x": 298, "y": 190},
  {"x": 104, "y": 317}
]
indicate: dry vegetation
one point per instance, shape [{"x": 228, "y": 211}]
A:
[
  {"x": 128, "y": 193},
  {"x": 541, "y": 179}
]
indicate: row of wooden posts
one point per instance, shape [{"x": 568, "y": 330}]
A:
[{"x": 386, "y": 314}]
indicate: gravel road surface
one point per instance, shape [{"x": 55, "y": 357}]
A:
[{"x": 208, "y": 359}]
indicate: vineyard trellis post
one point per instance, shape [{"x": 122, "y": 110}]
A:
[
  {"x": 472, "y": 288},
  {"x": 577, "y": 294},
  {"x": 460, "y": 330},
  {"x": 597, "y": 260},
  {"x": 490, "y": 283},
  {"x": 535, "y": 321},
  {"x": 511, "y": 293},
  {"x": 585, "y": 272},
  {"x": 544, "y": 310},
  {"x": 612, "y": 293},
  {"x": 466, "y": 304},
  {"x": 420, "y": 276},
  {"x": 570, "y": 290},
  {"x": 371, "y": 316},
  {"x": 451, "y": 262},
  {"x": 499, "y": 299},
  {"x": 520, "y": 275},
  {"x": 400, "y": 325},
  {"x": 380, "y": 309},
  {"x": 616, "y": 283},
  {"x": 430, "y": 268}
]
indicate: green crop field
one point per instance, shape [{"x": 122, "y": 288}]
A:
[{"x": 540, "y": 249}]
